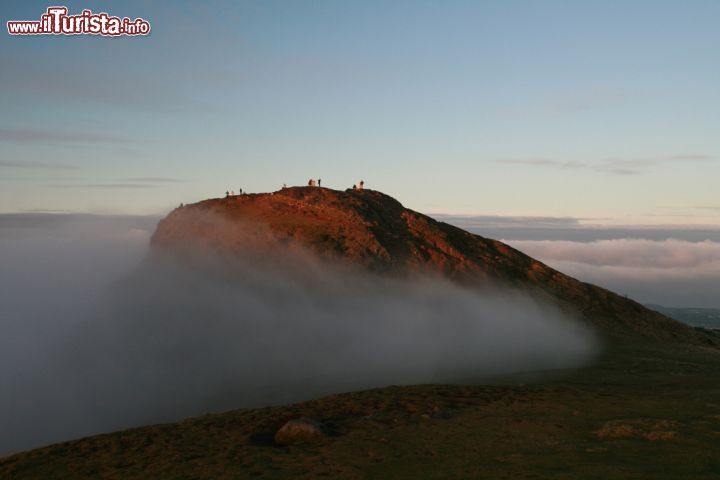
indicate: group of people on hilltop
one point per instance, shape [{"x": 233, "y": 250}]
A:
[
  {"x": 318, "y": 183},
  {"x": 311, "y": 183},
  {"x": 231, "y": 193}
]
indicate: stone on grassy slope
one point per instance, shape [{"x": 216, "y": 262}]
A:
[{"x": 301, "y": 430}]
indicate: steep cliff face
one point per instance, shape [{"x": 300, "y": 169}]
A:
[{"x": 369, "y": 229}]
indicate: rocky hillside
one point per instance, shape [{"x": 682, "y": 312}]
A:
[{"x": 373, "y": 230}]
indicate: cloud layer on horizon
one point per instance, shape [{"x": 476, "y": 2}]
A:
[{"x": 669, "y": 272}]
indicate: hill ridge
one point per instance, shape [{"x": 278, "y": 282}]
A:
[{"x": 374, "y": 230}]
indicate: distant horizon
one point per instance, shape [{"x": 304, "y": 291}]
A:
[
  {"x": 505, "y": 219},
  {"x": 673, "y": 267}
]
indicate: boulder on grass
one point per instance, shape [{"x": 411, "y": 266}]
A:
[{"x": 301, "y": 430}]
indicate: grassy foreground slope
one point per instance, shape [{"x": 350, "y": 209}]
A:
[{"x": 644, "y": 412}]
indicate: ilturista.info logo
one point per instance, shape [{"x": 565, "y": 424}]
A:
[{"x": 56, "y": 21}]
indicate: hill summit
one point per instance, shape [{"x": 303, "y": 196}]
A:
[{"x": 370, "y": 229}]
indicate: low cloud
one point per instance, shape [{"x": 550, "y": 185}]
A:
[
  {"x": 670, "y": 272},
  {"x": 136, "y": 339},
  {"x": 666, "y": 254},
  {"x": 495, "y": 221},
  {"x": 575, "y": 229}
]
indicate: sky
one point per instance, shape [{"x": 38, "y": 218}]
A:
[{"x": 595, "y": 111}]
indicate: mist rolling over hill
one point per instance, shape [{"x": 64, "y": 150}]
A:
[
  {"x": 125, "y": 336},
  {"x": 273, "y": 298}
]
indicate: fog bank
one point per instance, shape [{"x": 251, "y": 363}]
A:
[
  {"x": 670, "y": 272},
  {"x": 97, "y": 335}
]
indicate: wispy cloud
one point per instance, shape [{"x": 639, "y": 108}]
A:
[
  {"x": 608, "y": 166},
  {"x": 101, "y": 185},
  {"x": 31, "y": 135},
  {"x": 153, "y": 180},
  {"x": 692, "y": 156},
  {"x": 135, "y": 182},
  {"x": 545, "y": 162},
  {"x": 34, "y": 165},
  {"x": 490, "y": 221},
  {"x": 614, "y": 166},
  {"x": 44, "y": 210},
  {"x": 159, "y": 89}
]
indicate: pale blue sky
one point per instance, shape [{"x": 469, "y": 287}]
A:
[{"x": 601, "y": 110}]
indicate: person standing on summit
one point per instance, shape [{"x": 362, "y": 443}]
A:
[{"x": 319, "y": 182}]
